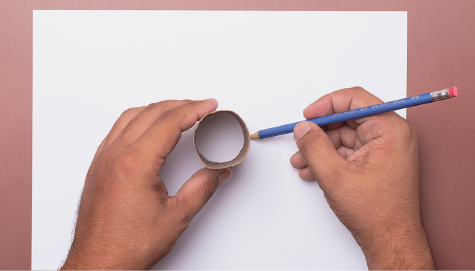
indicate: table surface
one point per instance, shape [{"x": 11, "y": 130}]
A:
[{"x": 441, "y": 35}]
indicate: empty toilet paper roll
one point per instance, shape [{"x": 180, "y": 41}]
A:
[{"x": 217, "y": 139}]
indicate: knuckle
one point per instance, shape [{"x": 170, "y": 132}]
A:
[
  {"x": 126, "y": 116},
  {"x": 410, "y": 135},
  {"x": 161, "y": 104},
  {"x": 130, "y": 112},
  {"x": 363, "y": 96},
  {"x": 156, "y": 105},
  {"x": 165, "y": 114},
  {"x": 358, "y": 89},
  {"x": 153, "y": 107},
  {"x": 347, "y": 91},
  {"x": 184, "y": 221},
  {"x": 405, "y": 128},
  {"x": 125, "y": 164},
  {"x": 169, "y": 115}
]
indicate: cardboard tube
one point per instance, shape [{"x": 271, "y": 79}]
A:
[{"x": 242, "y": 154}]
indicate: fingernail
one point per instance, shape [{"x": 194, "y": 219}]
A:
[
  {"x": 301, "y": 129},
  {"x": 224, "y": 176}
]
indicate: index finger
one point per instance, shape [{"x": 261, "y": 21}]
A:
[
  {"x": 340, "y": 101},
  {"x": 158, "y": 141}
]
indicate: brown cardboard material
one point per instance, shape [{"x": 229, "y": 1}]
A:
[{"x": 242, "y": 154}]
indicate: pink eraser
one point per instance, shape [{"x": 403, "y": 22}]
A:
[{"x": 453, "y": 92}]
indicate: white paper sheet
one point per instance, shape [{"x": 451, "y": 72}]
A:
[{"x": 89, "y": 66}]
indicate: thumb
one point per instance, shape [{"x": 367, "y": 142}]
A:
[
  {"x": 327, "y": 165},
  {"x": 196, "y": 192}
]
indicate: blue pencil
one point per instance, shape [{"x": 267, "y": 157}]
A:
[{"x": 363, "y": 112}]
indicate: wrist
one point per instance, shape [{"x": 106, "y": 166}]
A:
[
  {"x": 403, "y": 250},
  {"x": 90, "y": 263},
  {"x": 78, "y": 261},
  {"x": 88, "y": 257},
  {"x": 72, "y": 264}
]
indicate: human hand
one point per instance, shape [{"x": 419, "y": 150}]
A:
[
  {"x": 368, "y": 169},
  {"x": 126, "y": 219}
]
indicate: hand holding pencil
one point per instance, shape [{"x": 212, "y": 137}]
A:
[{"x": 368, "y": 171}]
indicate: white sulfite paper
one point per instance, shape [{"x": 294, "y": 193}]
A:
[{"x": 267, "y": 66}]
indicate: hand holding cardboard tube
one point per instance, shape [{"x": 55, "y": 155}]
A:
[
  {"x": 367, "y": 168},
  {"x": 126, "y": 219}
]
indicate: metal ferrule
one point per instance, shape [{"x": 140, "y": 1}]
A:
[{"x": 439, "y": 95}]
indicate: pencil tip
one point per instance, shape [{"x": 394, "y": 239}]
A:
[{"x": 255, "y": 135}]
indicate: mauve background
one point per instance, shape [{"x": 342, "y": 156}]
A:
[{"x": 441, "y": 53}]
